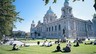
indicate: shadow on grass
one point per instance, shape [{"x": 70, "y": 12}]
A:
[
  {"x": 59, "y": 51},
  {"x": 93, "y": 53},
  {"x": 13, "y": 50},
  {"x": 56, "y": 51}
]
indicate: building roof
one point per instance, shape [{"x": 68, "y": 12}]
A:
[{"x": 50, "y": 11}]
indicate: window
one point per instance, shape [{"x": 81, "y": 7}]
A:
[
  {"x": 55, "y": 28},
  {"x": 59, "y": 27},
  {"x": 50, "y": 19},
  {"x": 31, "y": 34},
  {"x": 49, "y": 29},
  {"x": 52, "y": 28},
  {"x": 63, "y": 31}
]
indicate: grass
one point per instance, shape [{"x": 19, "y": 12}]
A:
[{"x": 82, "y": 49}]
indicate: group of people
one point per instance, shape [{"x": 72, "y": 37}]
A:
[
  {"x": 90, "y": 42},
  {"x": 48, "y": 44},
  {"x": 65, "y": 49},
  {"x": 95, "y": 42}
]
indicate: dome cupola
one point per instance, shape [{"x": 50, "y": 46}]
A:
[
  {"x": 50, "y": 11},
  {"x": 49, "y": 16}
]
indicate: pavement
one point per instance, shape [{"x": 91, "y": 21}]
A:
[
  {"x": 32, "y": 44},
  {"x": 19, "y": 43}
]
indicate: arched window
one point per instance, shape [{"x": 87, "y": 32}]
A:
[
  {"x": 59, "y": 27},
  {"x": 52, "y": 28},
  {"x": 49, "y": 29},
  {"x": 63, "y": 31},
  {"x": 38, "y": 34},
  {"x": 50, "y": 19},
  {"x": 55, "y": 28}
]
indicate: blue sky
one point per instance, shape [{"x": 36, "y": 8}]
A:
[{"x": 36, "y": 9}]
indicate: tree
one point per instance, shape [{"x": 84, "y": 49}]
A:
[
  {"x": 27, "y": 35},
  {"x": 8, "y": 16},
  {"x": 19, "y": 34},
  {"x": 54, "y": 1}
]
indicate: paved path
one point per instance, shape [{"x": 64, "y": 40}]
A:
[
  {"x": 31, "y": 44},
  {"x": 21, "y": 43}
]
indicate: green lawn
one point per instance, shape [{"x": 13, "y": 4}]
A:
[{"x": 82, "y": 49}]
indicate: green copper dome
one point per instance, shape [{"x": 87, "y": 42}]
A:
[{"x": 50, "y": 11}]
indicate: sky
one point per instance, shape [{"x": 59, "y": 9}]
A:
[{"x": 36, "y": 9}]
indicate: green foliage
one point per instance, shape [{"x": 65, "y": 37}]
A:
[
  {"x": 8, "y": 16},
  {"x": 47, "y": 1},
  {"x": 54, "y": 1},
  {"x": 18, "y": 34}
]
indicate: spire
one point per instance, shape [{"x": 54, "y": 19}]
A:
[
  {"x": 32, "y": 25},
  {"x": 66, "y": 3},
  {"x": 39, "y": 22},
  {"x": 50, "y": 10},
  {"x": 32, "y": 21}
]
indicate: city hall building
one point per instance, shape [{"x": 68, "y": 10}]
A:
[{"x": 66, "y": 26}]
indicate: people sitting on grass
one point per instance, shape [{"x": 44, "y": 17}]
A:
[
  {"x": 14, "y": 47},
  {"x": 58, "y": 48},
  {"x": 49, "y": 44},
  {"x": 57, "y": 42},
  {"x": 26, "y": 45},
  {"x": 77, "y": 44},
  {"x": 1, "y": 42},
  {"x": 38, "y": 42},
  {"x": 79, "y": 40},
  {"x": 44, "y": 43},
  {"x": 88, "y": 43},
  {"x": 95, "y": 42},
  {"x": 67, "y": 48},
  {"x": 69, "y": 43}
]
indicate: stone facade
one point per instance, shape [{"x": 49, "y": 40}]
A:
[
  {"x": 66, "y": 26},
  {"x": 94, "y": 24}
]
